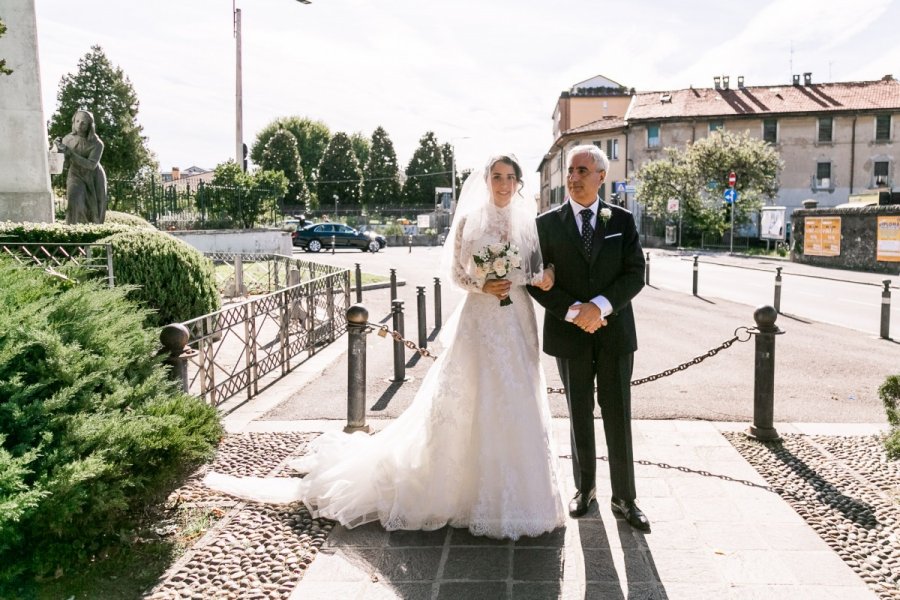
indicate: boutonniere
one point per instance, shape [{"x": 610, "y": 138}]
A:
[{"x": 605, "y": 214}]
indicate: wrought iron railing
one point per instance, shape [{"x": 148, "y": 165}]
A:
[
  {"x": 247, "y": 346},
  {"x": 94, "y": 259}
]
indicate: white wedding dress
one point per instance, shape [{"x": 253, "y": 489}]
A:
[{"x": 473, "y": 450}]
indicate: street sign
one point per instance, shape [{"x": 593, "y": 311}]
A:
[
  {"x": 731, "y": 195},
  {"x": 732, "y": 179},
  {"x": 672, "y": 205},
  {"x": 620, "y": 187}
]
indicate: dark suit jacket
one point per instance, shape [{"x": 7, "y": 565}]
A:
[{"x": 615, "y": 270}]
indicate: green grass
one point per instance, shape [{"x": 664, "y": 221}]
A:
[
  {"x": 130, "y": 568},
  {"x": 256, "y": 276}
]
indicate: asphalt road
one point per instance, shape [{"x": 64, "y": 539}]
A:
[{"x": 824, "y": 372}]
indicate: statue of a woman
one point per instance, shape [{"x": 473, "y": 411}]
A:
[{"x": 86, "y": 182}]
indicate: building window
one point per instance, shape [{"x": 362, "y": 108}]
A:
[
  {"x": 826, "y": 125},
  {"x": 883, "y": 128},
  {"x": 716, "y": 125},
  {"x": 881, "y": 173},
  {"x": 823, "y": 175},
  {"x": 653, "y": 135},
  {"x": 612, "y": 149},
  {"x": 770, "y": 130}
]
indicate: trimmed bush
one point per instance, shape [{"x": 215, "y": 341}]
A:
[
  {"x": 889, "y": 392},
  {"x": 169, "y": 276},
  {"x": 59, "y": 233},
  {"x": 91, "y": 428},
  {"x": 113, "y": 216}
]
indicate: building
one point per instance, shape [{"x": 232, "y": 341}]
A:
[
  {"x": 836, "y": 139},
  {"x": 189, "y": 178}
]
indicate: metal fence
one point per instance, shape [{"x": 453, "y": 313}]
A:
[
  {"x": 247, "y": 346},
  {"x": 93, "y": 259}
]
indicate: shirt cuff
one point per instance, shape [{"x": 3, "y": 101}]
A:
[{"x": 603, "y": 304}]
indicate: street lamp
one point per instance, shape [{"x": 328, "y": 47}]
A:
[
  {"x": 453, "y": 171},
  {"x": 238, "y": 92}
]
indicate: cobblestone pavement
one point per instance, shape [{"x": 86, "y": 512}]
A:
[{"x": 846, "y": 490}]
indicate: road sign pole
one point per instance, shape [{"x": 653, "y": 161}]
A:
[{"x": 731, "y": 241}]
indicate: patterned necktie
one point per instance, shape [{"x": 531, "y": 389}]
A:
[{"x": 587, "y": 232}]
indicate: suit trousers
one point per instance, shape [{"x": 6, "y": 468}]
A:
[{"x": 612, "y": 373}]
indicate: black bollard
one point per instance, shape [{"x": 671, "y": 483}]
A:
[
  {"x": 332, "y": 244},
  {"x": 778, "y": 290},
  {"x": 358, "y": 284},
  {"x": 357, "y": 326},
  {"x": 399, "y": 362},
  {"x": 886, "y": 310},
  {"x": 437, "y": 303},
  {"x": 420, "y": 314},
  {"x": 696, "y": 272},
  {"x": 393, "y": 284},
  {"x": 764, "y": 374},
  {"x": 647, "y": 270},
  {"x": 410, "y": 244},
  {"x": 174, "y": 339}
]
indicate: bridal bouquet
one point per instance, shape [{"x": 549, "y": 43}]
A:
[{"x": 498, "y": 260}]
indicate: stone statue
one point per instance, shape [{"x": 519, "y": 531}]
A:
[{"x": 86, "y": 182}]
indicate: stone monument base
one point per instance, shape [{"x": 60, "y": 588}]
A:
[{"x": 36, "y": 207}]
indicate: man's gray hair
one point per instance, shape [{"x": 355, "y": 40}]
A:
[{"x": 598, "y": 156}]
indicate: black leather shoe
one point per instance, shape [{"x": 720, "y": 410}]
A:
[
  {"x": 628, "y": 509},
  {"x": 581, "y": 502}
]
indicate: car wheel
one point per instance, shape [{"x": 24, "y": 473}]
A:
[
  {"x": 314, "y": 246},
  {"x": 374, "y": 246}
]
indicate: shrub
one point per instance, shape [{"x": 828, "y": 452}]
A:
[
  {"x": 91, "y": 428},
  {"x": 169, "y": 276},
  {"x": 58, "y": 233},
  {"x": 127, "y": 219},
  {"x": 889, "y": 392}
]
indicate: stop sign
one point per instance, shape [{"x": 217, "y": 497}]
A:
[{"x": 732, "y": 179}]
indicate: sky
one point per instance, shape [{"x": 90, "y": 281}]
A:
[{"x": 484, "y": 75}]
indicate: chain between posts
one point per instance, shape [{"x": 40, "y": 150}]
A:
[
  {"x": 384, "y": 331},
  {"x": 741, "y": 334}
]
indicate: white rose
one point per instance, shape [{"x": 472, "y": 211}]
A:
[
  {"x": 479, "y": 273},
  {"x": 501, "y": 273},
  {"x": 499, "y": 265},
  {"x": 605, "y": 213},
  {"x": 496, "y": 248},
  {"x": 514, "y": 261}
]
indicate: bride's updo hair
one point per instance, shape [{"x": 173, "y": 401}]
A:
[{"x": 507, "y": 159}]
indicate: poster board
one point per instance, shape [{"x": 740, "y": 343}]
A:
[
  {"x": 888, "y": 239},
  {"x": 822, "y": 236},
  {"x": 771, "y": 223}
]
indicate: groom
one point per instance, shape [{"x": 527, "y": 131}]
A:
[{"x": 589, "y": 325}]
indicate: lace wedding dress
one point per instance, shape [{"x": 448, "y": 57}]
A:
[{"x": 474, "y": 448}]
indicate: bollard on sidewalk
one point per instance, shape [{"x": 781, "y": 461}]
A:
[
  {"x": 696, "y": 272},
  {"x": 764, "y": 374},
  {"x": 886, "y": 310},
  {"x": 358, "y": 283},
  {"x": 410, "y": 244},
  {"x": 174, "y": 339},
  {"x": 420, "y": 314},
  {"x": 399, "y": 362},
  {"x": 437, "y": 303},
  {"x": 393, "y": 284},
  {"x": 357, "y": 328},
  {"x": 778, "y": 290},
  {"x": 647, "y": 270},
  {"x": 332, "y": 244}
]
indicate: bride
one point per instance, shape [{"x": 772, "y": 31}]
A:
[{"x": 474, "y": 448}]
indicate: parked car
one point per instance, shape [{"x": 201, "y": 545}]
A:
[{"x": 313, "y": 238}]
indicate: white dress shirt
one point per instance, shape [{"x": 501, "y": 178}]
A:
[{"x": 600, "y": 301}]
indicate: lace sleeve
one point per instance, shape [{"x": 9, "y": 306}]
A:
[{"x": 458, "y": 270}]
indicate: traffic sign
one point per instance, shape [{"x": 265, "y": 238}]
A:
[
  {"x": 620, "y": 187},
  {"x": 732, "y": 179},
  {"x": 731, "y": 195},
  {"x": 672, "y": 205}
]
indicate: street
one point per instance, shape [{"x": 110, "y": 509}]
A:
[{"x": 824, "y": 372}]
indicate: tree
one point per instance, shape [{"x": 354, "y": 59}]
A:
[
  {"x": 425, "y": 171},
  {"x": 107, "y": 93},
  {"x": 698, "y": 177},
  {"x": 281, "y": 154},
  {"x": 244, "y": 197},
  {"x": 340, "y": 179},
  {"x": 312, "y": 138},
  {"x": 361, "y": 147},
  {"x": 4, "y": 70},
  {"x": 381, "y": 175}
]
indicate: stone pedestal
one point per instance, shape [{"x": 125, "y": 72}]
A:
[{"x": 25, "y": 193}]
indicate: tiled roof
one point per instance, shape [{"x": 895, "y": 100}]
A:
[
  {"x": 883, "y": 94},
  {"x": 604, "y": 124}
]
